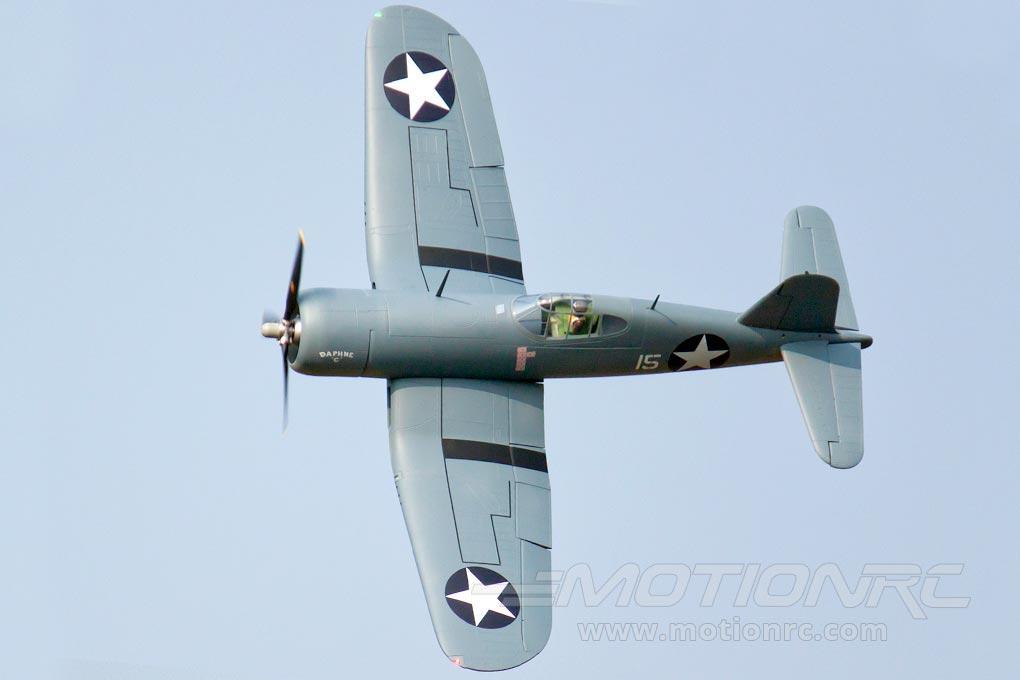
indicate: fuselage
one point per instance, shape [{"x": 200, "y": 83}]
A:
[{"x": 396, "y": 334}]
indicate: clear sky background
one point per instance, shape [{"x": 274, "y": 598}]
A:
[{"x": 156, "y": 161}]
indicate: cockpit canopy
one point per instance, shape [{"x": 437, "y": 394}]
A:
[{"x": 564, "y": 315}]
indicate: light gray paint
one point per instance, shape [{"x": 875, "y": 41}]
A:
[
  {"x": 810, "y": 246},
  {"x": 466, "y": 512},
  {"x": 462, "y": 368},
  {"x": 454, "y": 193}
]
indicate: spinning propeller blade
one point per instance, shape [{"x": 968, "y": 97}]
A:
[
  {"x": 286, "y": 383},
  {"x": 287, "y": 330},
  {"x": 291, "y": 307}
]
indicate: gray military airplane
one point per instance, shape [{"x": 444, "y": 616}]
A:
[{"x": 465, "y": 348}]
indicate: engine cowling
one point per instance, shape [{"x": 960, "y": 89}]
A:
[{"x": 335, "y": 328}]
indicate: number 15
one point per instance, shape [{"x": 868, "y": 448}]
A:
[{"x": 647, "y": 362}]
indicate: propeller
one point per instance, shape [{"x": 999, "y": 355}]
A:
[{"x": 287, "y": 330}]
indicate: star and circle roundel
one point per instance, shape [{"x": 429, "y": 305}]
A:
[
  {"x": 419, "y": 86},
  {"x": 482, "y": 597},
  {"x": 699, "y": 351}
]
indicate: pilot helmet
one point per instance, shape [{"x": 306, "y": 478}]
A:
[{"x": 580, "y": 306}]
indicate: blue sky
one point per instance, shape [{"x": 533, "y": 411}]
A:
[{"x": 157, "y": 160}]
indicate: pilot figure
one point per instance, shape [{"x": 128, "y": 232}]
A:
[
  {"x": 569, "y": 317},
  {"x": 579, "y": 317}
]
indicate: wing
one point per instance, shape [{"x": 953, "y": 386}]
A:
[
  {"x": 436, "y": 197},
  {"x": 469, "y": 463}
]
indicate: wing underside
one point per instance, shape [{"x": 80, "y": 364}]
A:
[
  {"x": 470, "y": 468},
  {"x": 436, "y": 197}
]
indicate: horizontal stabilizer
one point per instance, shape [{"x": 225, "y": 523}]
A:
[
  {"x": 827, "y": 380},
  {"x": 810, "y": 247},
  {"x": 804, "y": 302}
]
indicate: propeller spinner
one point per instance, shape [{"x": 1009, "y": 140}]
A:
[{"x": 287, "y": 331}]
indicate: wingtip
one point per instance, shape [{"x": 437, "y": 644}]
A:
[
  {"x": 301, "y": 236},
  {"x": 843, "y": 456},
  {"x": 484, "y": 661}
]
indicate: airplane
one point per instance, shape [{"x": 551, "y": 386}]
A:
[{"x": 465, "y": 349}]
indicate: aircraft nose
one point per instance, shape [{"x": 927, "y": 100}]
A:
[{"x": 272, "y": 329}]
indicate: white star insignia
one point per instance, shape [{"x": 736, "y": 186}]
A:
[
  {"x": 701, "y": 356},
  {"x": 419, "y": 87},
  {"x": 482, "y": 598}
]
